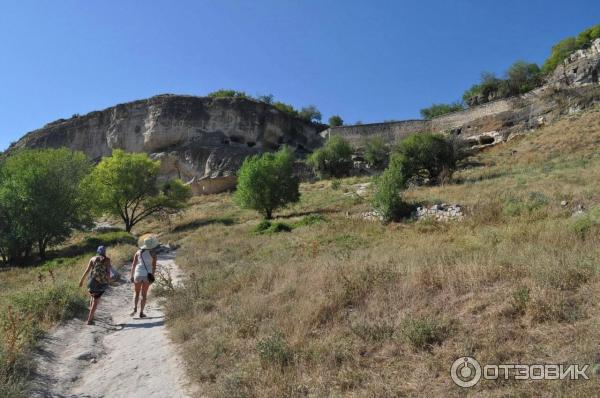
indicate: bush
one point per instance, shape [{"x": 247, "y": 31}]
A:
[
  {"x": 334, "y": 159},
  {"x": 228, "y": 94},
  {"x": 377, "y": 153},
  {"x": 274, "y": 350},
  {"x": 311, "y": 219},
  {"x": 387, "y": 198},
  {"x": 266, "y": 182},
  {"x": 336, "y": 121},
  {"x": 424, "y": 333},
  {"x": 286, "y": 108},
  {"x": 266, "y": 227},
  {"x": 426, "y": 155},
  {"x": 436, "y": 110},
  {"x": 310, "y": 113}
]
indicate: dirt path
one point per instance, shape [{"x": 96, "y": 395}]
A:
[{"x": 118, "y": 357}]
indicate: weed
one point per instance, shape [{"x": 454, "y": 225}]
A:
[{"x": 425, "y": 332}]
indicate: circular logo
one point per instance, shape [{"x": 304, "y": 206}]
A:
[{"x": 465, "y": 372}]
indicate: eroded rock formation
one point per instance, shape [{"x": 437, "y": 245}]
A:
[{"x": 201, "y": 140}]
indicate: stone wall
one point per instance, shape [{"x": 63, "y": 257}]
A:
[{"x": 391, "y": 131}]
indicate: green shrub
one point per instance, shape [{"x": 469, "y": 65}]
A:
[
  {"x": 389, "y": 185},
  {"x": 311, "y": 219},
  {"x": 436, "y": 110},
  {"x": 286, "y": 108},
  {"x": 426, "y": 155},
  {"x": 377, "y": 153},
  {"x": 424, "y": 333},
  {"x": 310, "y": 113},
  {"x": 228, "y": 94},
  {"x": 520, "y": 300},
  {"x": 274, "y": 350},
  {"x": 266, "y": 182},
  {"x": 334, "y": 159},
  {"x": 566, "y": 47},
  {"x": 266, "y": 227},
  {"x": 335, "y": 121}
]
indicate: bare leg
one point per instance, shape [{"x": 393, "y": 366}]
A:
[
  {"x": 145, "y": 287},
  {"x": 95, "y": 301},
  {"x": 136, "y": 296}
]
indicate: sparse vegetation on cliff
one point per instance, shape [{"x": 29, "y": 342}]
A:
[
  {"x": 436, "y": 110},
  {"x": 564, "y": 48}
]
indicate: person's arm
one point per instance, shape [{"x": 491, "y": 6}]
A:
[
  {"x": 85, "y": 273},
  {"x": 133, "y": 266},
  {"x": 154, "y": 264}
]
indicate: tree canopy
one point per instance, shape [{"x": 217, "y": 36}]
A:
[
  {"x": 126, "y": 185},
  {"x": 42, "y": 199},
  {"x": 266, "y": 182}
]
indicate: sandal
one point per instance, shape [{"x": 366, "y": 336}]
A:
[
  {"x": 90, "y": 323},
  {"x": 142, "y": 315},
  {"x": 133, "y": 313}
]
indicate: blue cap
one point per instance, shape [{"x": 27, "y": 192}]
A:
[{"x": 101, "y": 250}]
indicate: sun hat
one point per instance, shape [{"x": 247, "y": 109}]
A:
[
  {"x": 101, "y": 251},
  {"x": 150, "y": 242}
]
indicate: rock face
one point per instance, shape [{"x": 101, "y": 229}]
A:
[
  {"x": 201, "y": 140},
  {"x": 581, "y": 67}
]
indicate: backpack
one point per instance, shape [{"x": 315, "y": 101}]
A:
[{"x": 98, "y": 273}]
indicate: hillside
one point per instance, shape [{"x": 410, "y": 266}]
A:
[{"x": 342, "y": 306}]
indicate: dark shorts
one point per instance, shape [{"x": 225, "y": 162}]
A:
[{"x": 96, "y": 294}]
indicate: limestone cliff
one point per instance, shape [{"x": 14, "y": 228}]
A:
[{"x": 201, "y": 140}]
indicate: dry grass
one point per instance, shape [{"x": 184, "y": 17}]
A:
[{"x": 345, "y": 307}]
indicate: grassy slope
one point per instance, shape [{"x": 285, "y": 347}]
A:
[{"x": 352, "y": 308}]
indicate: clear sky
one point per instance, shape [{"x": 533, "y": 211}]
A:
[{"x": 365, "y": 60}]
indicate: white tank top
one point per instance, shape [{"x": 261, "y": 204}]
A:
[{"x": 139, "y": 267}]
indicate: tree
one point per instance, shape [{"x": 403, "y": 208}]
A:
[
  {"x": 286, "y": 108},
  {"x": 426, "y": 155},
  {"x": 377, "y": 152},
  {"x": 42, "y": 199},
  {"x": 522, "y": 77},
  {"x": 126, "y": 185},
  {"x": 564, "y": 48},
  {"x": 335, "y": 121},
  {"x": 310, "y": 113},
  {"x": 266, "y": 182},
  {"x": 267, "y": 98},
  {"x": 334, "y": 159},
  {"x": 387, "y": 198},
  {"x": 436, "y": 110}
]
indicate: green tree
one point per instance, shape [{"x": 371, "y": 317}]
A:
[
  {"x": 267, "y": 98},
  {"x": 426, "y": 155},
  {"x": 42, "y": 199},
  {"x": 310, "y": 113},
  {"x": 522, "y": 77},
  {"x": 377, "y": 152},
  {"x": 266, "y": 182},
  {"x": 334, "y": 159},
  {"x": 336, "y": 121},
  {"x": 436, "y": 110},
  {"x": 126, "y": 185},
  {"x": 387, "y": 199},
  {"x": 564, "y": 48}
]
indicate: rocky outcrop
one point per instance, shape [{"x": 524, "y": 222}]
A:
[
  {"x": 580, "y": 68},
  {"x": 201, "y": 140}
]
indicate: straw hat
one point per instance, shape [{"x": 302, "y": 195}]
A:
[{"x": 150, "y": 242}]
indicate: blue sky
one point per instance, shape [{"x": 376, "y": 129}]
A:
[{"x": 365, "y": 60}]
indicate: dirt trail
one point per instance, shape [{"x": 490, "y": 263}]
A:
[{"x": 118, "y": 357}]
